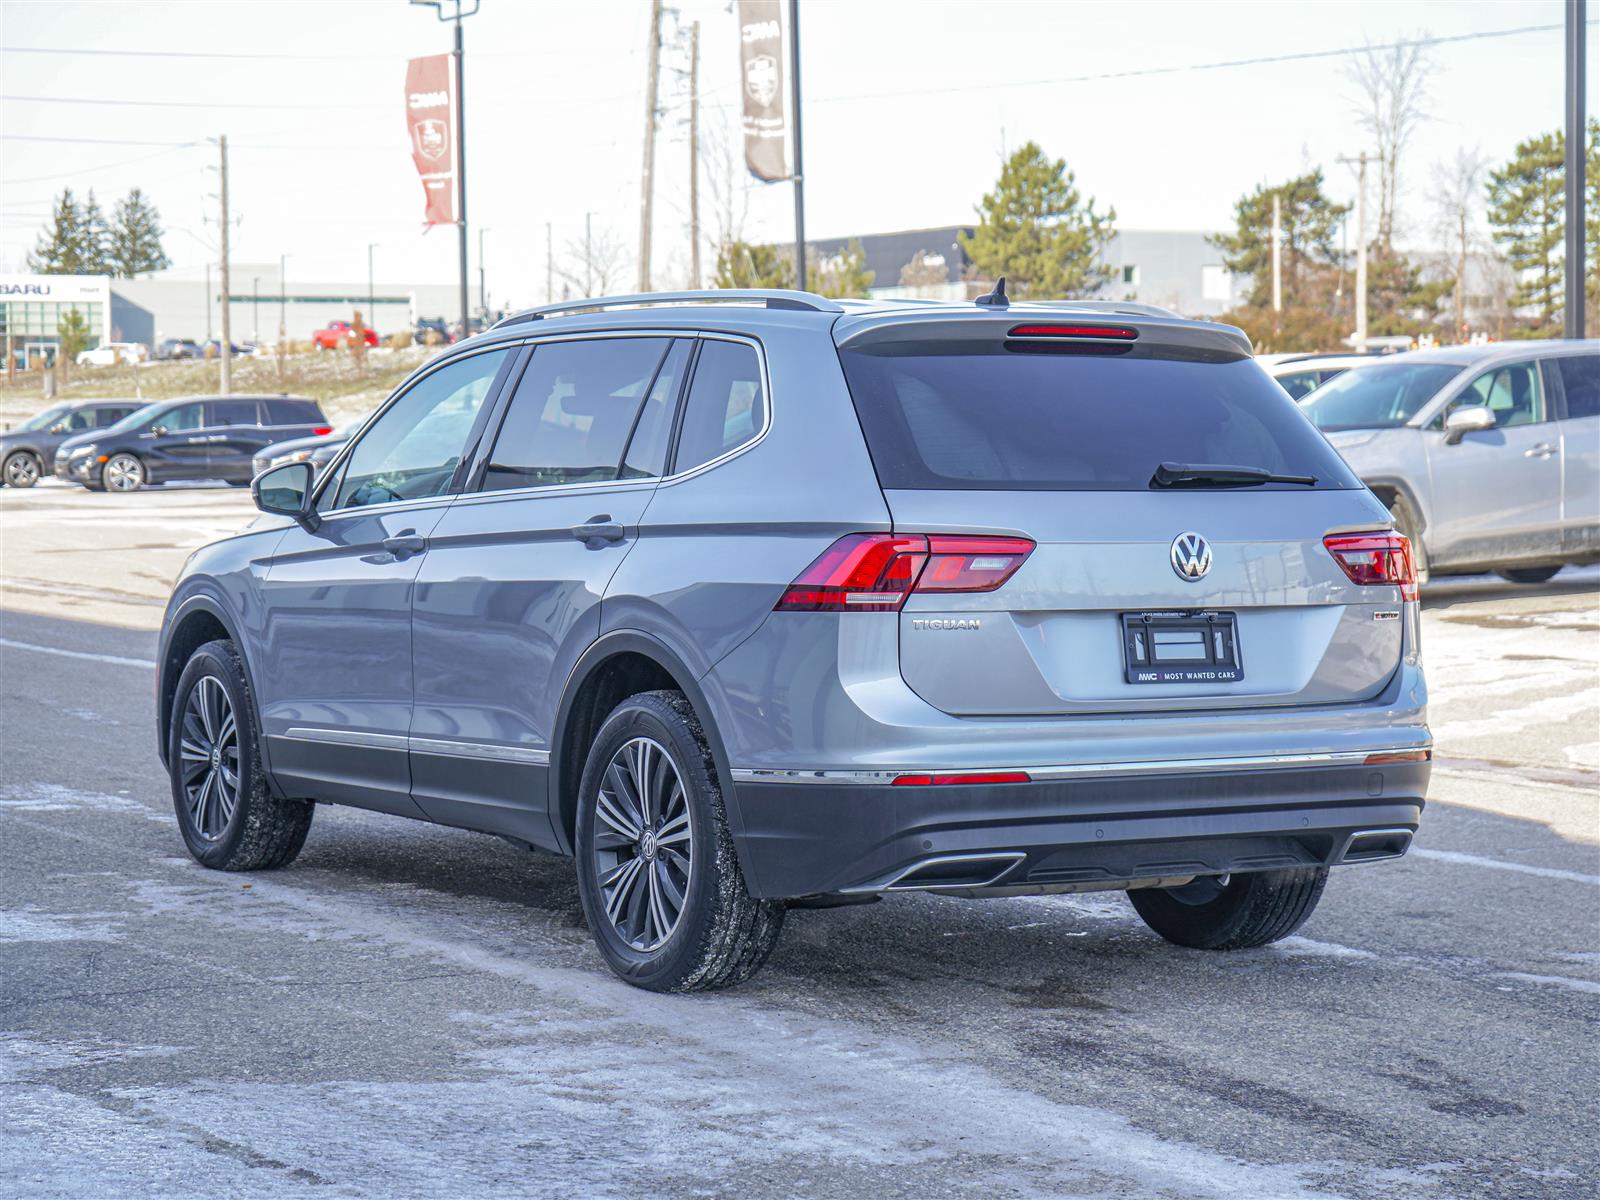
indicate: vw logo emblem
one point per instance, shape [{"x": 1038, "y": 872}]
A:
[
  {"x": 1191, "y": 556},
  {"x": 647, "y": 845}
]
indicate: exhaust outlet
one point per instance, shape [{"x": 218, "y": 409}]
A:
[
  {"x": 1375, "y": 845},
  {"x": 948, "y": 871}
]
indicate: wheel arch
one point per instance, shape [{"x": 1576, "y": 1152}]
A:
[
  {"x": 1389, "y": 488},
  {"x": 618, "y": 665},
  {"x": 197, "y": 620}
]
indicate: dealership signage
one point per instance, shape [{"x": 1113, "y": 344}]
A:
[
  {"x": 430, "y": 124},
  {"x": 764, "y": 70},
  {"x": 58, "y": 289}
]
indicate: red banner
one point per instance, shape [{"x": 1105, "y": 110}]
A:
[{"x": 431, "y": 123}]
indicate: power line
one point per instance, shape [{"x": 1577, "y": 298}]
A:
[
  {"x": 209, "y": 104},
  {"x": 122, "y": 162}
]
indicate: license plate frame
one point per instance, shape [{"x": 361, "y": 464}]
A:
[{"x": 1193, "y": 646}]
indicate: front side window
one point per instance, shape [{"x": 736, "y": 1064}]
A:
[
  {"x": 176, "y": 420},
  {"x": 412, "y": 450},
  {"x": 1580, "y": 378},
  {"x": 726, "y": 405},
  {"x": 572, "y": 413},
  {"x": 1512, "y": 393},
  {"x": 82, "y": 419},
  {"x": 44, "y": 420}
]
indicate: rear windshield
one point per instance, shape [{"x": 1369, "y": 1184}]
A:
[
  {"x": 1380, "y": 396},
  {"x": 991, "y": 419}
]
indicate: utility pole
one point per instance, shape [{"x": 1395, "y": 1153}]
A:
[
  {"x": 372, "y": 303},
  {"x": 1577, "y": 141},
  {"x": 255, "y": 310},
  {"x": 646, "y": 180},
  {"x": 1277, "y": 262},
  {"x": 549, "y": 268},
  {"x": 1361, "y": 252},
  {"x": 483, "y": 287},
  {"x": 283, "y": 304},
  {"x": 694, "y": 157},
  {"x": 459, "y": 55},
  {"x": 226, "y": 350},
  {"x": 208, "y": 302},
  {"x": 799, "y": 166}
]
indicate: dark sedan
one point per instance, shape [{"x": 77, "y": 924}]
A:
[
  {"x": 213, "y": 437},
  {"x": 26, "y": 452}
]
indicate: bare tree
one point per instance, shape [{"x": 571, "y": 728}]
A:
[
  {"x": 1457, "y": 193},
  {"x": 726, "y": 181},
  {"x": 594, "y": 267},
  {"x": 1392, "y": 82},
  {"x": 925, "y": 270}
]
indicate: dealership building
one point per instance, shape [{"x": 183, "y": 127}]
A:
[{"x": 178, "y": 304}]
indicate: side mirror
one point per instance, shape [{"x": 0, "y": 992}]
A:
[
  {"x": 286, "y": 492},
  {"x": 1473, "y": 419}
]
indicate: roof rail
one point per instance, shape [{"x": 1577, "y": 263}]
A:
[
  {"x": 774, "y": 297},
  {"x": 1111, "y": 306}
]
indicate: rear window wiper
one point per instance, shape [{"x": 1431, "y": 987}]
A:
[{"x": 1177, "y": 475}]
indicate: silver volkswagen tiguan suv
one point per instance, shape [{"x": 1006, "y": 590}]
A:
[{"x": 748, "y": 600}]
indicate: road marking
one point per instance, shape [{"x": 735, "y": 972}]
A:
[
  {"x": 1577, "y": 985},
  {"x": 1472, "y": 860},
  {"x": 115, "y": 660}
]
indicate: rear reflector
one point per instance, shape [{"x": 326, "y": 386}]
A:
[
  {"x": 875, "y": 572},
  {"x": 945, "y": 780},
  {"x": 1384, "y": 757},
  {"x": 1120, "y": 332},
  {"x": 1375, "y": 559}
]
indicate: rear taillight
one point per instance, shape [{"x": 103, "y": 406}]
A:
[
  {"x": 1375, "y": 558},
  {"x": 875, "y": 572},
  {"x": 322, "y": 430}
]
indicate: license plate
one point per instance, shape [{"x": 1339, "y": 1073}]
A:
[{"x": 1181, "y": 647}]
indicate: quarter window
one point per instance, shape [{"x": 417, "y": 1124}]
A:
[
  {"x": 412, "y": 450},
  {"x": 726, "y": 405},
  {"x": 572, "y": 413}
]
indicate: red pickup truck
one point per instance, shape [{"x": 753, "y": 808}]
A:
[{"x": 341, "y": 333}]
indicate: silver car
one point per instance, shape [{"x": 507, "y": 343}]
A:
[
  {"x": 1489, "y": 456},
  {"x": 748, "y": 600}
]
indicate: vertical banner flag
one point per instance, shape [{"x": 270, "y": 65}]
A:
[
  {"x": 764, "y": 68},
  {"x": 431, "y": 123}
]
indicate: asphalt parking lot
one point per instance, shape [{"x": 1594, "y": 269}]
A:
[{"x": 413, "y": 1010}]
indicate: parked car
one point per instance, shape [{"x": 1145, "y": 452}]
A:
[
  {"x": 759, "y": 604},
  {"x": 169, "y": 349},
  {"x": 341, "y": 333},
  {"x": 111, "y": 354},
  {"x": 318, "y": 449},
  {"x": 1488, "y": 456},
  {"x": 434, "y": 329},
  {"x": 198, "y": 437},
  {"x": 27, "y": 451},
  {"x": 1302, "y": 376},
  {"x": 212, "y": 348}
]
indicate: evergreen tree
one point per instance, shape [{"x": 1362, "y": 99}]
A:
[
  {"x": 1526, "y": 199},
  {"x": 1035, "y": 230},
  {"x": 843, "y": 274},
  {"x": 72, "y": 338},
  {"x": 134, "y": 245},
  {"x": 744, "y": 265},
  {"x": 73, "y": 243}
]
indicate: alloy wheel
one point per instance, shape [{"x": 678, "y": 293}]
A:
[
  {"x": 208, "y": 754},
  {"x": 643, "y": 843},
  {"x": 124, "y": 473},
  {"x": 22, "y": 470}
]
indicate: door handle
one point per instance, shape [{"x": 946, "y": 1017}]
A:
[
  {"x": 597, "y": 531},
  {"x": 1542, "y": 450},
  {"x": 406, "y": 543}
]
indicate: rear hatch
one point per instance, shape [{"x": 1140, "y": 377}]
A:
[{"x": 1147, "y": 588}]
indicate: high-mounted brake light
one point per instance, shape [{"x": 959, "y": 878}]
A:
[
  {"x": 1382, "y": 558},
  {"x": 1119, "y": 332},
  {"x": 875, "y": 572},
  {"x": 322, "y": 430},
  {"x": 973, "y": 778}
]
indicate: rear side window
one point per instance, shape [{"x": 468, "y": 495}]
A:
[
  {"x": 1580, "y": 378},
  {"x": 232, "y": 412},
  {"x": 726, "y": 406},
  {"x": 976, "y": 418},
  {"x": 572, "y": 413},
  {"x": 292, "y": 412},
  {"x": 106, "y": 417}
]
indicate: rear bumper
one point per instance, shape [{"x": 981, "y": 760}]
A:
[{"x": 1128, "y": 822}]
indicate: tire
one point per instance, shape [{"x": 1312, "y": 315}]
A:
[
  {"x": 1407, "y": 522},
  {"x": 242, "y": 827},
  {"x": 123, "y": 473},
  {"x": 21, "y": 470},
  {"x": 720, "y": 935},
  {"x": 1529, "y": 574},
  {"x": 1232, "y": 912}
]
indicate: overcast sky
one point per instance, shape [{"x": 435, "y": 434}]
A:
[{"x": 908, "y": 107}]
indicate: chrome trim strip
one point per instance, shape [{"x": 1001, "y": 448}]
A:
[
  {"x": 1010, "y": 858},
  {"x": 491, "y": 751},
  {"x": 348, "y": 737},
  {"x": 1160, "y": 766}
]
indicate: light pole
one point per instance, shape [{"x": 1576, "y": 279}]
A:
[
  {"x": 459, "y": 54},
  {"x": 255, "y": 310},
  {"x": 283, "y": 304},
  {"x": 483, "y": 288},
  {"x": 372, "y": 317}
]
